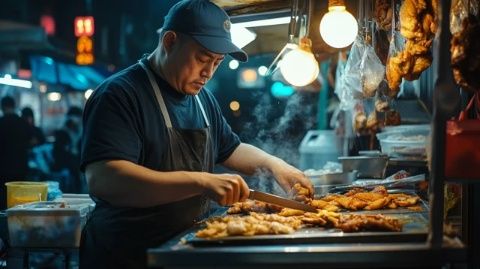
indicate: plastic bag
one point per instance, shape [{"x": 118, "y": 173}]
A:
[
  {"x": 346, "y": 99},
  {"x": 372, "y": 72},
  {"x": 352, "y": 76}
]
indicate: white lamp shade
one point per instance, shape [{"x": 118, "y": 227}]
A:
[
  {"x": 338, "y": 27},
  {"x": 299, "y": 67}
]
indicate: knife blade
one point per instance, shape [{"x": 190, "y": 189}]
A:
[{"x": 280, "y": 201}]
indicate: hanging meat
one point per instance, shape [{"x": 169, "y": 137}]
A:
[
  {"x": 418, "y": 25},
  {"x": 465, "y": 48},
  {"x": 383, "y": 14}
]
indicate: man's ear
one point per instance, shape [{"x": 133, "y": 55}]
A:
[{"x": 169, "y": 39}]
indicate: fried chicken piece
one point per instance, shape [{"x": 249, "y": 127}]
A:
[
  {"x": 354, "y": 191},
  {"x": 360, "y": 122},
  {"x": 381, "y": 190},
  {"x": 392, "y": 117},
  {"x": 288, "y": 212},
  {"x": 369, "y": 196},
  {"x": 418, "y": 47},
  {"x": 409, "y": 24},
  {"x": 397, "y": 67},
  {"x": 351, "y": 203},
  {"x": 465, "y": 58},
  {"x": 383, "y": 14},
  {"x": 301, "y": 193},
  {"x": 331, "y": 197},
  {"x": 421, "y": 63},
  {"x": 377, "y": 204},
  {"x": 253, "y": 206},
  {"x": 355, "y": 223},
  {"x": 407, "y": 201},
  {"x": 322, "y": 204}
]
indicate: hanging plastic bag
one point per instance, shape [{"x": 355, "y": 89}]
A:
[
  {"x": 372, "y": 72},
  {"x": 352, "y": 76},
  {"x": 346, "y": 98}
]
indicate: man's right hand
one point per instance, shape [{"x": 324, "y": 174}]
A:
[{"x": 225, "y": 189}]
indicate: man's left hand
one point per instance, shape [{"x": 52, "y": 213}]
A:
[{"x": 287, "y": 175}]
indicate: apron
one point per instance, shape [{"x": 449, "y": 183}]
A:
[{"x": 119, "y": 237}]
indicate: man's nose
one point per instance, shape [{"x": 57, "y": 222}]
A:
[{"x": 208, "y": 70}]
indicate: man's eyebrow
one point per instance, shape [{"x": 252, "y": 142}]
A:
[{"x": 211, "y": 55}]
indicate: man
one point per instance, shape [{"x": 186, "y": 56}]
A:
[
  {"x": 38, "y": 138},
  {"x": 152, "y": 135},
  {"x": 15, "y": 137}
]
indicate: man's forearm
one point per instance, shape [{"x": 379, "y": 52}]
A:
[
  {"x": 123, "y": 183},
  {"x": 247, "y": 159}
]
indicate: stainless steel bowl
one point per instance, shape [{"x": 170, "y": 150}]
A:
[
  {"x": 367, "y": 166},
  {"x": 333, "y": 178}
]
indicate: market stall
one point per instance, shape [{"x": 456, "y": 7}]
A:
[{"x": 367, "y": 223}]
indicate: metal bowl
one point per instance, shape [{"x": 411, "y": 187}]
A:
[
  {"x": 367, "y": 166},
  {"x": 333, "y": 178}
]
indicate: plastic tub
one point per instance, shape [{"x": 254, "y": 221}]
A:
[
  {"x": 317, "y": 148},
  {"x": 46, "y": 224},
  {"x": 22, "y": 192}
]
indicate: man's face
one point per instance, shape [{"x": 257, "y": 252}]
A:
[{"x": 191, "y": 65}]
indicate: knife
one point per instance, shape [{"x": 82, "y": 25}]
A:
[{"x": 280, "y": 201}]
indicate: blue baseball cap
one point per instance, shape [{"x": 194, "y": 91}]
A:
[{"x": 205, "y": 22}]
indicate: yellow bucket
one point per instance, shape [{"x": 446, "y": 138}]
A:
[{"x": 21, "y": 192}]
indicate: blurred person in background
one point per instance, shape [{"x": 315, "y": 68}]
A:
[
  {"x": 73, "y": 126},
  {"x": 15, "y": 137},
  {"x": 64, "y": 165},
  {"x": 152, "y": 135},
  {"x": 38, "y": 138}
]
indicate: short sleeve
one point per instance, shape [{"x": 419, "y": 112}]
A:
[
  {"x": 227, "y": 140},
  {"x": 111, "y": 127}
]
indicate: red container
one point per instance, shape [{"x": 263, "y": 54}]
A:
[{"x": 462, "y": 145}]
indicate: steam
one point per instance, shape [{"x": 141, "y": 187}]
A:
[{"x": 279, "y": 136}]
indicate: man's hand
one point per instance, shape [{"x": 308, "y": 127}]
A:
[
  {"x": 287, "y": 175},
  {"x": 225, "y": 189}
]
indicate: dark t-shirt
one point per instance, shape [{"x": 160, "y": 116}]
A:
[{"x": 122, "y": 120}]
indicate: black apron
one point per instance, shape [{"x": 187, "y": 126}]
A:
[{"x": 119, "y": 237}]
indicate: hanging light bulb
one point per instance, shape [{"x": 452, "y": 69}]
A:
[
  {"x": 299, "y": 67},
  {"x": 338, "y": 27}
]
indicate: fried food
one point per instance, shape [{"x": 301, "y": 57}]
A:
[
  {"x": 358, "y": 199},
  {"x": 253, "y": 224},
  {"x": 288, "y": 212},
  {"x": 355, "y": 223},
  {"x": 392, "y": 117},
  {"x": 418, "y": 25},
  {"x": 253, "y": 206},
  {"x": 301, "y": 193},
  {"x": 383, "y": 14},
  {"x": 465, "y": 59}
]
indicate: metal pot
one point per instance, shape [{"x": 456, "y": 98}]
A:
[{"x": 367, "y": 166}]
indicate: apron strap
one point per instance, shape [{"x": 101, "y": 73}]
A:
[
  {"x": 203, "y": 111},
  {"x": 158, "y": 95}
]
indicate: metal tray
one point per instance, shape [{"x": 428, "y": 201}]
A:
[{"x": 414, "y": 230}]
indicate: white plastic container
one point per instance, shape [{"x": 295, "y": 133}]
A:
[
  {"x": 409, "y": 141},
  {"x": 317, "y": 148},
  {"x": 46, "y": 224}
]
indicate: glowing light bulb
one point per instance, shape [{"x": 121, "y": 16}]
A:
[
  {"x": 338, "y": 27},
  {"x": 299, "y": 67}
]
